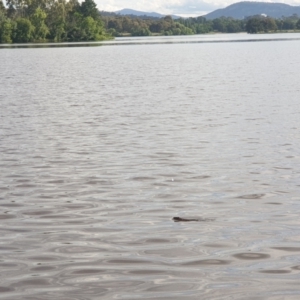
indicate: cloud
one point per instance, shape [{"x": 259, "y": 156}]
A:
[
  {"x": 193, "y": 6},
  {"x": 113, "y": 5},
  {"x": 166, "y": 6},
  {"x": 173, "y": 6}
]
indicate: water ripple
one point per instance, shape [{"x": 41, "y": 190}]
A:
[{"x": 101, "y": 147}]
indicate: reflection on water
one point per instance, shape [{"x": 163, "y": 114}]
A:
[{"x": 102, "y": 149}]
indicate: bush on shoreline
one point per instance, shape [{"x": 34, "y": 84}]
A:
[{"x": 23, "y": 21}]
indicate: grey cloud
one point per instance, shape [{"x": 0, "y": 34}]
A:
[{"x": 193, "y": 6}]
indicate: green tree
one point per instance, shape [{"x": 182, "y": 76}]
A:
[
  {"x": 279, "y": 24},
  {"x": 29, "y": 6},
  {"x": 2, "y": 8},
  {"x": 116, "y": 24},
  {"x": 168, "y": 19},
  {"x": 73, "y": 24},
  {"x": 288, "y": 24},
  {"x": 38, "y": 21},
  {"x": 254, "y": 25},
  {"x": 140, "y": 31},
  {"x": 112, "y": 32},
  {"x": 197, "y": 25},
  {"x": 269, "y": 24},
  {"x": 72, "y": 6},
  {"x": 92, "y": 30},
  {"x": 88, "y": 8},
  {"x": 260, "y": 24},
  {"x": 24, "y": 31},
  {"x": 126, "y": 24},
  {"x": 219, "y": 25},
  {"x": 202, "y": 28},
  {"x": 56, "y": 20},
  {"x": 6, "y": 31}
]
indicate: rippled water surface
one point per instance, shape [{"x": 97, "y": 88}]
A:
[{"x": 101, "y": 147}]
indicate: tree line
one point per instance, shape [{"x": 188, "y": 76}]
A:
[
  {"x": 118, "y": 25},
  {"x": 257, "y": 24},
  {"x": 23, "y": 21}
]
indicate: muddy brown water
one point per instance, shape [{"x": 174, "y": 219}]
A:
[{"x": 101, "y": 147}]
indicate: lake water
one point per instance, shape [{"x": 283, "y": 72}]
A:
[{"x": 100, "y": 147}]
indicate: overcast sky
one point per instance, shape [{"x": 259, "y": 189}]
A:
[{"x": 181, "y": 7}]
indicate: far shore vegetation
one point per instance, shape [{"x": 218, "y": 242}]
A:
[
  {"x": 24, "y": 21},
  {"x": 117, "y": 25}
]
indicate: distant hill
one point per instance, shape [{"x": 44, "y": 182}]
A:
[
  {"x": 245, "y": 9},
  {"x": 132, "y": 12}
]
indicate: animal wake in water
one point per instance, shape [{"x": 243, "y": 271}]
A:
[{"x": 178, "y": 219}]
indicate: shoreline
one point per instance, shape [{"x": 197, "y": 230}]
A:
[{"x": 175, "y": 39}]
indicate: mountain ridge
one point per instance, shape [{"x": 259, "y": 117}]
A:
[
  {"x": 239, "y": 10},
  {"x": 242, "y": 10},
  {"x": 129, "y": 11}
]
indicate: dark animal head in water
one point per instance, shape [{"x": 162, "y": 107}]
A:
[{"x": 178, "y": 219}]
